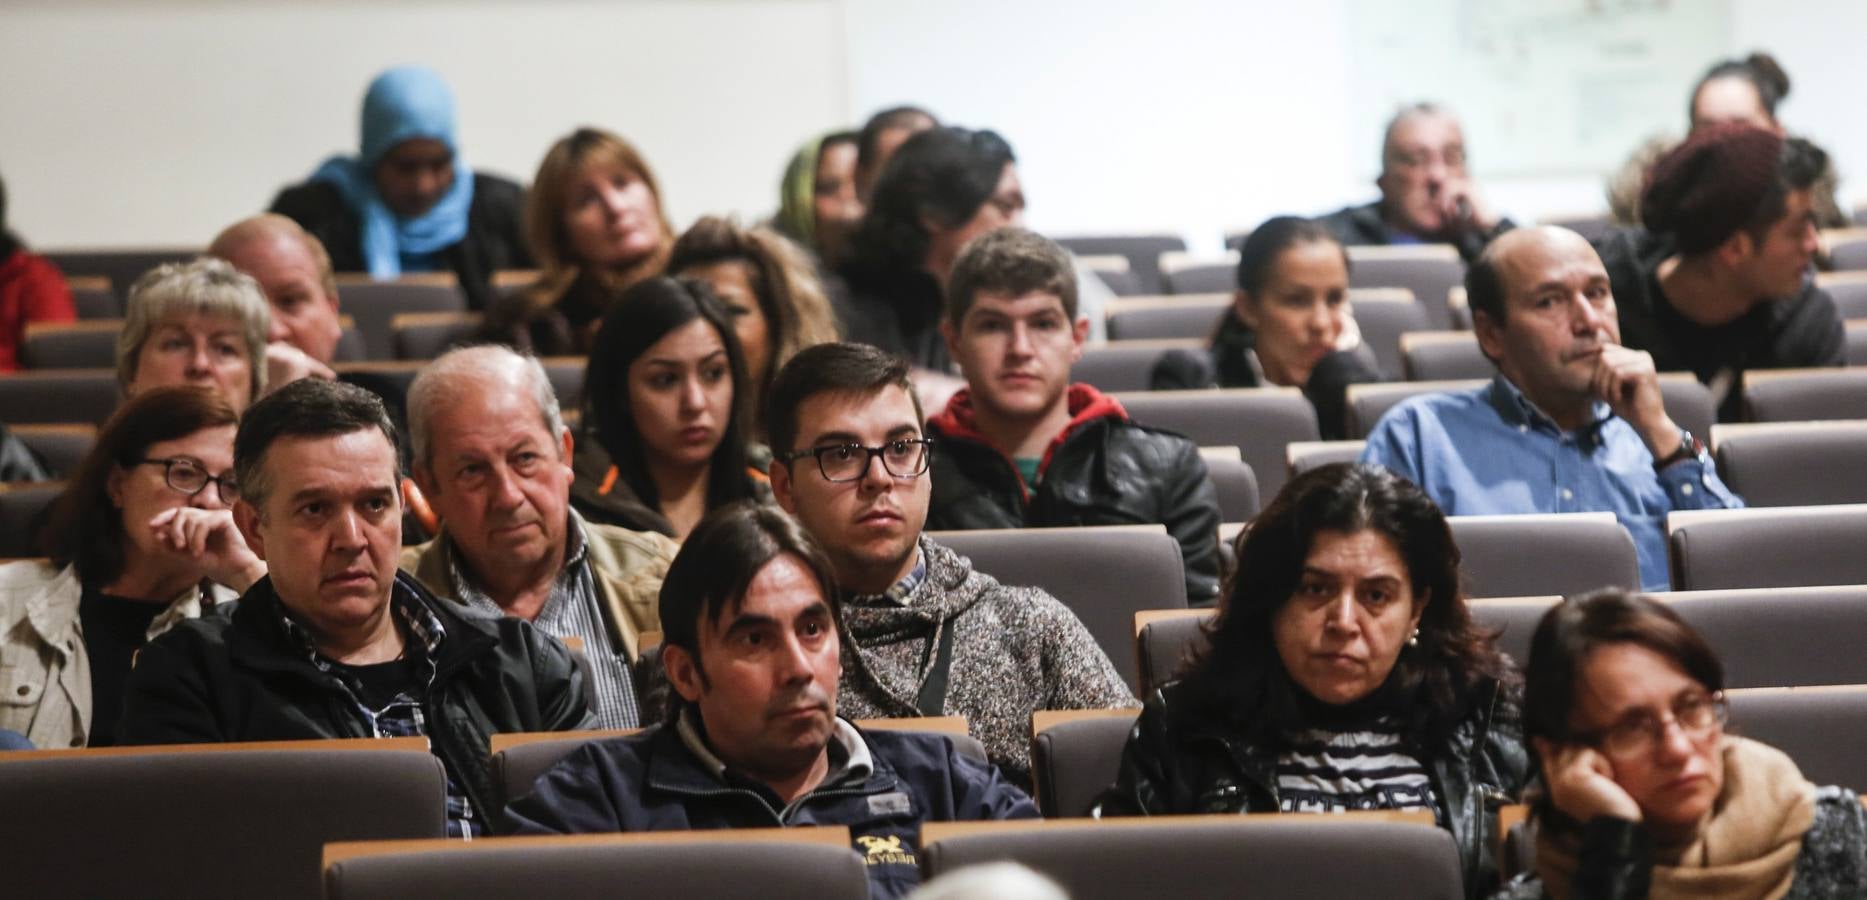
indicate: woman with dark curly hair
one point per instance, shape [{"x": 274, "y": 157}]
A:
[
  {"x": 1647, "y": 795},
  {"x": 1344, "y": 673}
]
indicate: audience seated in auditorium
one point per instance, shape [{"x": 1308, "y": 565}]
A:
[
  {"x": 32, "y": 289},
  {"x": 880, "y": 137},
  {"x": 1345, "y": 672},
  {"x": 334, "y": 643},
  {"x": 778, "y": 306},
  {"x": 1732, "y": 90},
  {"x": 1021, "y": 446},
  {"x": 408, "y": 202},
  {"x": 1289, "y": 324},
  {"x": 1646, "y": 794},
  {"x": 201, "y": 322},
  {"x": 932, "y": 636},
  {"x": 295, "y": 273},
  {"x": 1719, "y": 282},
  {"x": 141, "y": 538},
  {"x": 1573, "y": 422},
  {"x": 1427, "y": 197},
  {"x": 595, "y": 223},
  {"x": 664, "y": 408},
  {"x": 754, "y": 739},
  {"x": 492, "y": 456},
  {"x": 817, "y": 203}
]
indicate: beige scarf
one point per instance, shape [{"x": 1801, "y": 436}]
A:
[{"x": 1745, "y": 849}]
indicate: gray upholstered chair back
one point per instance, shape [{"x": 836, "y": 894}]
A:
[
  {"x": 1258, "y": 421},
  {"x": 1073, "y": 762},
  {"x": 1769, "y": 547},
  {"x": 1806, "y": 395},
  {"x": 1532, "y": 555},
  {"x": 1822, "y": 729},
  {"x": 1794, "y": 463}
]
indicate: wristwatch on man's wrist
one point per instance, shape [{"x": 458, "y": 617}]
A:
[{"x": 1689, "y": 448}]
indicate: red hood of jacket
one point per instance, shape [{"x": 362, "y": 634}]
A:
[{"x": 1085, "y": 402}]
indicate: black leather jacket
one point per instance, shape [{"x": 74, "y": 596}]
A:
[
  {"x": 1106, "y": 470},
  {"x": 1176, "y": 763}
]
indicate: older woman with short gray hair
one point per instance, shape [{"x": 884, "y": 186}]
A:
[{"x": 201, "y": 322}]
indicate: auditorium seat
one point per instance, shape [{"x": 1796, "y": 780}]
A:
[
  {"x": 350, "y": 346},
  {"x": 428, "y": 335},
  {"x": 1104, "y": 575},
  {"x": 1143, "y": 252},
  {"x": 373, "y": 304},
  {"x": 1591, "y": 226},
  {"x": 1782, "y": 636},
  {"x": 1075, "y": 754},
  {"x": 1799, "y": 395},
  {"x": 94, "y": 298},
  {"x": 119, "y": 268},
  {"x": 1444, "y": 356},
  {"x": 1847, "y": 248},
  {"x": 1386, "y": 316},
  {"x": 566, "y": 376},
  {"x": 1194, "y": 273},
  {"x": 207, "y": 822},
  {"x": 736, "y": 864},
  {"x": 1258, "y": 421},
  {"x": 1430, "y": 271},
  {"x": 1793, "y": 463},
  {"x": 1126, "y": 365},
  {"x": 1390, "y": 855},
  {"x": 84, "y": 344},
  {"x": 1848, "y": 290},
  {"x": 1302, "y": 456},
  {"x": 61, "y": 446},
  {"x": 1236, "y": 483},
  {"x": 22, "y": 506},
  {"x": 1193, "y": 316},
  {"x": 1687, "y": 402},
  {"x": 1560, "y": 553},
  {"x": 58, "y": 395},
  {"x": 1768, "y": 547},
  {"x": 1514, "y": 618},
  {"x": 1857, "y": 342},
  {"x": 1165, "y": 640},
  {"x": 1822, "y": 728},
  {"x": 1114, "y": 271}
]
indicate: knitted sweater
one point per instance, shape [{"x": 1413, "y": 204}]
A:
[{"x": 1016, "y": 650}]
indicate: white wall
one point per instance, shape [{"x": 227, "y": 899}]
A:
[{"x": 157, "y": 122}]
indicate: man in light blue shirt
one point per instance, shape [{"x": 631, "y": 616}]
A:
[{"x": 1572, "y": 423}]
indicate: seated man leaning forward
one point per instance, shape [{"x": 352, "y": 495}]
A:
[
  {"x": 493, "y": 457},
  {"x": 1023, "y": 447},
  {"x": 932, "y": 636},
  {"x": 1573, "y": 422},
  {"x": 753, "y": 652},
  {"x": 333, "y": 643}
]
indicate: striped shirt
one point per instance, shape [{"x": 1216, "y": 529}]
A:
[
  {"x": 573, "y": 609},
  {"x": 1336, "y": 771}
]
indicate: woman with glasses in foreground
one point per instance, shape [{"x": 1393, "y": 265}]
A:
[
  {"x": 1646, "y": 795},
  {"x": 142, "y": 538}
]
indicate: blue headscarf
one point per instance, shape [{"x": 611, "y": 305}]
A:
[{"x": 404, "y": 103}]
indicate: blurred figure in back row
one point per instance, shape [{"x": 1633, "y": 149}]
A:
[
  {"x": 202, "y": 323},
  {"x": 32, "y": 289},
  {"x": 1289, "y": 325},
  {"x": 1427, "y": 195},
  {"x": 817, "y": 202},
  {"x": 408, "y": 202}
]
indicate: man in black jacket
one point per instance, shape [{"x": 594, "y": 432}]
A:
[
  {"x": 753, "y": 652},
  {"x": 1427, "y": 196},
  {"x": 1023, "y": 447},
  {"x": 334, "y": 643},
  {"x": 1720, "y": 282}
]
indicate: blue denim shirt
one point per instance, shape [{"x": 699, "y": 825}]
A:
[{"x": 1489, "y": 451}]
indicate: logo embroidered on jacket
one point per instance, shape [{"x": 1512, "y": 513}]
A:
[{"x": 885, "y": 851}]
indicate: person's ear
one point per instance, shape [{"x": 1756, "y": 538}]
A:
[
  {"x": 950, "y": 333},
  {"x": 1079, "y": 335},
  {"x": 1244, "y": 310},
  {"x": 683, "y": 672},
  {"x": 1736, "y": 249},
  {"x": 113, "y": 486},
  {"x": 780, "y": 473},
  {"x": 1490, "y": 333},
  {"x": 567, "y": 445},
  {"x": 1419, "y": 609},
  {"x": 246, "y": 518}
]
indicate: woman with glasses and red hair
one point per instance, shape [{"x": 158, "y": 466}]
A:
[
  {"x": 1646, "y": 795},
  {"x": 142, "y": 538}
]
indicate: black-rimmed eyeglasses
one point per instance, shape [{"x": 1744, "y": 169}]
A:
[
  {"x": 904, "y": 458},
  {"x": 187, "y": 477}
]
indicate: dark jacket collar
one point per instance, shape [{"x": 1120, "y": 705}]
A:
[{"x": 260, "y": 636}]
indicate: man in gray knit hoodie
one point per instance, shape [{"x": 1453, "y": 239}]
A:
[{"x": 927, "y": 635}]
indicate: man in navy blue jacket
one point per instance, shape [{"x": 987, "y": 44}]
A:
[{"x": 752, "y": 649}]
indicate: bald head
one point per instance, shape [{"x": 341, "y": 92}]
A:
[
  {"x": 488, "y": 371},
  {"x": 1521, "y": 258},
  {"x": 295, "y": 273}
]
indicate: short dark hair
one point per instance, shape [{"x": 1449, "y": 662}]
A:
[
  {"x": 944, "y": 175},
  {"x": 84, "y": 529},
  {"x": 1240, "y": 677},
  {"x": 1760, "y": 69},
  {"x": 1575, "y": 628},
  {"x": 1725, "y": 179},
  {"x": 1484, "y": 285},
  {"x": 868, "y": 140},
  {"x": 308, "y": 407},
  {"x": 1257, "y": 257},
  {"x": 1014, "y": 261},
  {"x": 716, "y": 564},
  {"x": 842, "y": 368},
  {"x": 643, "y": 315}
]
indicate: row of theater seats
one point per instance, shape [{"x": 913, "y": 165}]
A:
[{"x": 363, "y": 818}]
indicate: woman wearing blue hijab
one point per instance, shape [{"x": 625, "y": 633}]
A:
[{"x": 399, "y": 206}]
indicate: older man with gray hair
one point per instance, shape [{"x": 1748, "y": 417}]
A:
[
  {"x": 1427, "y": 195},
  {"x": 493, "y": 457}
]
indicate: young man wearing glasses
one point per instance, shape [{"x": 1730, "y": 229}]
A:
[
  {"x": 1022, "y": 447},
  {"x": 932, "y": 636}
]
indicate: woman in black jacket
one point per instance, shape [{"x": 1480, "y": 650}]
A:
[{"x": 1344, "y": 673}]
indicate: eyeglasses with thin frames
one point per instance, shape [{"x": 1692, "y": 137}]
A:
[
  {"x": 1696, "y": 714},
  {"x": 186, "y": 476},
  {"x": 903, "y": 458}
]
